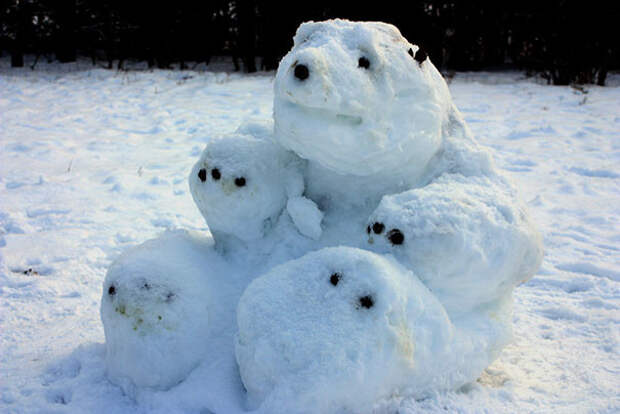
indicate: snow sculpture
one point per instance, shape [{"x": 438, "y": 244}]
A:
[
  {"x": 242, "y": 183},
  {"x": 157, "y": 305},
  {"x": 342, "y": 328},
  {"x": 361, "y": 104},
  {"x": 389, "y": 244},
  {"x": 469, "y": 239},
  {"x": 447, "y": 213},
  {"x": 374, "y": 120}
]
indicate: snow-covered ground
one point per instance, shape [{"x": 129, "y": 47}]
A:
[{"x": 94, "y": 161}]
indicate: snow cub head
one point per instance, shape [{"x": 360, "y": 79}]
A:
[
  {"x": 155, "y": 310},
  {"x": 464, "y": 237},
  {"x": 336, "y": 330},
  {"x": 359, "y": 99},
  {"x": 240, "y": 184}
]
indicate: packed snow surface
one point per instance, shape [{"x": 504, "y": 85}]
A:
[
  {"x": 467, "y": 238},
  {"x": 356, "y": 329},
  {"x": 240, "y": 184},
  {"x": 93, "y": 162},
  {"x": 160, "y": 307}
]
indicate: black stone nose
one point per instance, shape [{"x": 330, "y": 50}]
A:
[
  {"x": 302, "y": 72},
  {"x": 112, "y": 290},
  {"x": 202, "y": 174}
]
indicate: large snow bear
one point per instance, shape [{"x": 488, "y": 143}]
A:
[{"x": 375, "y": 121}]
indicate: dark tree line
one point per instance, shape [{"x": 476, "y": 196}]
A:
[{"x": 565, "y": 41}]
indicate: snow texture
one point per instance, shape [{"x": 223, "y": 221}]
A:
[
  {"x": 158, "y": 304},
  {"x": 306, "y": 216},
  {"x": 468, "y": 238},
  {"x": 240, "y": 183},
  {"x": 93, "y": 162},
  {"x": 343, "y": 328},
  {"x": 367, "y": 111}
]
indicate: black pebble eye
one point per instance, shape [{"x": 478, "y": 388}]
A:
[
  {"x": 202, "y": 174},
  {"x": 395, "y": 236},
  {"x": 111, "y": 290},
  {"x": 366, "y": 302},
  {"x": 335, "y": 278},
  {"x": 378, "y": 227},
  {"x": 302, "y": 72},
  {"x": 170, "y": 297},
  {"x": 146, "y": 286},
  {"x": 240, "y": 182},
  {"x": 420, "y": 55},
  {"x": 363, "y": 62},
  {"x": 368, "y": 229},
  {"x": 215, "y": 173}
]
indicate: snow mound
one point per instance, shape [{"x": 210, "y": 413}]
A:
[
  {"x": 156, "y": 306},
  {"x": 339, "y": 328}
]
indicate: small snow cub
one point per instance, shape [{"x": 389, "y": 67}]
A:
[
  {"x": 468, "y": 238},
  {"x": 341, "y": 328},
  {"x": 156, "y": 306},
  {"x": 242, "y": 183}
]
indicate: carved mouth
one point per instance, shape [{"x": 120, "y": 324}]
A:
[{"x": 327, "y": 115}]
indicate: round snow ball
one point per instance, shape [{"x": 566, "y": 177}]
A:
[
  {"x": 337, "y": 329},
  {"x": 155, "y": 308}
]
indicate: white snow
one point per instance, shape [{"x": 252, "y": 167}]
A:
[
  {"x": 306, "y": 216},
  {"x": 240, "y": 184},
  {"x": 468, "y": 238},
  {"x": 380, "y": 122},
  {"x": 355, "y": 329},
  {"x": 92, "y": 162},
  {"x": 159, "y": 306}
]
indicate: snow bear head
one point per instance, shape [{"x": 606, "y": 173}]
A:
[
  {"x": 155, "y": 303},
  {"x": 336, "y": 329},
  {"x": 240, "y": 184},
  {"x": 359, "y": 99}
]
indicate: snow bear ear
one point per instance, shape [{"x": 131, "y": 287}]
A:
[
  {"x": 419, "y": 54},
  {"x": 305, "y": 31},
  {"x": 389, "y": 29}
]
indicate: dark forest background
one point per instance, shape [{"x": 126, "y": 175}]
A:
[{"x": 565, "y": 41}]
